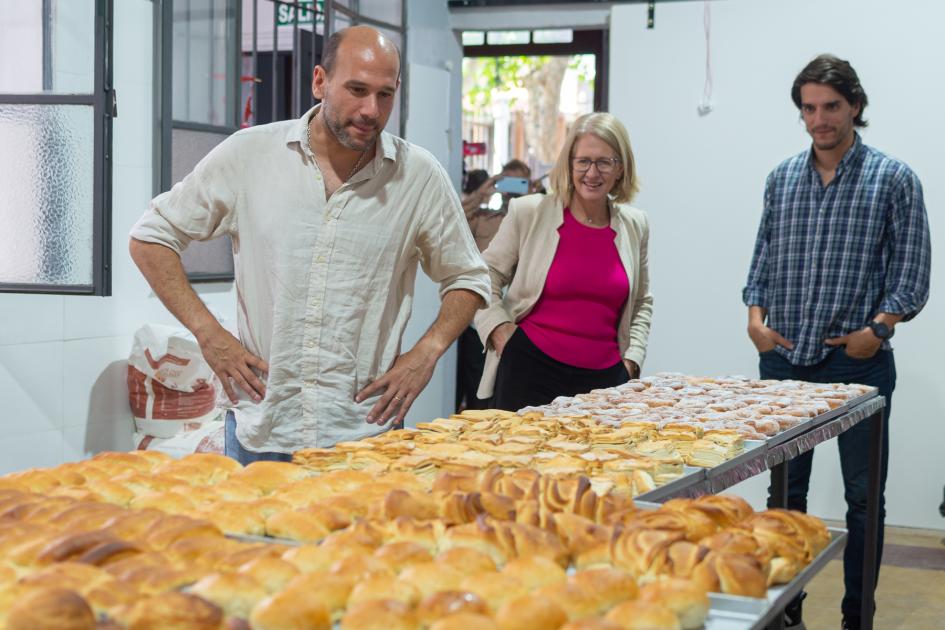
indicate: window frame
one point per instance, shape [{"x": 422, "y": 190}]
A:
[
  {"x": 103, "y": 101},
  {"x": 164, "y": 121}
]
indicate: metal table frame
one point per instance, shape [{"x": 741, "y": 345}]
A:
[{"x": 774, "y": 455}]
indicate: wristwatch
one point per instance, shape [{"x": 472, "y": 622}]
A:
[{"x": 881, "y": 330}]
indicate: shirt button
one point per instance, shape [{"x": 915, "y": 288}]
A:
[
  {"x": 310, "y": 343},
  {"x": 321, "y": 259}
]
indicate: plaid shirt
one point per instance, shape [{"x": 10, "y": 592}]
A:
[{"x": 828, "y": 259}]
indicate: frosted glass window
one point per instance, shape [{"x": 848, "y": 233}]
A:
[
  {"x": 207, "y": 259},
  {"x": 51, "y": 53},
  {"x": 46, "y": 208}
]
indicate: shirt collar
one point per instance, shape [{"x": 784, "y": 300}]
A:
[
  {"x": 853, "y": 155},
  {"x": 299, "y": 133}
]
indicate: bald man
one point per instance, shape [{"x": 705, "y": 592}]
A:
[{"x": 329, "y": 216}]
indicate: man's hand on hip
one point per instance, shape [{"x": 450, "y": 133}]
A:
[
  {"x": 232, "y": 362},
  {"x": 402, "y": 383},
  {"x": 766, "y": 339},
  {"x": 862, "y": 344},
  {"x": 500, "y": 336}
]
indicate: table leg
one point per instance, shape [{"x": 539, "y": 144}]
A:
[
  {"x": 872, "y": 521},
  {"x": 779, "y": 485}
]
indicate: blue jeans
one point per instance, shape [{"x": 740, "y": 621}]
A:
[
  {"x": 854, "y": 445},
  {"x": 234, "y": 449}
]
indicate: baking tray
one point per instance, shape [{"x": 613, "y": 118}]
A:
[
  {"x": 731, "y": 612},
  {"x": 810, "y": 423},
  {"x": 268, "y": 540},
  {"x": 692, "y": 476},
  {"x": 753, "y": 449}
]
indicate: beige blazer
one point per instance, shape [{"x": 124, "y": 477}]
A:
[{"x": 520, "y": 256}]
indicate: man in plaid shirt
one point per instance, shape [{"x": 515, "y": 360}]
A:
[{"x": 842, "y": 256}]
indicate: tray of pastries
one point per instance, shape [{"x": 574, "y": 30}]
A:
[{"x": 490, "y": 548}]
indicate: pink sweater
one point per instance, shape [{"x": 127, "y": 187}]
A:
[{"x": 575, "y": 319}]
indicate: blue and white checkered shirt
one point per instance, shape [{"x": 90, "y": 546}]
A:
[{"x": 828, "y": 259}]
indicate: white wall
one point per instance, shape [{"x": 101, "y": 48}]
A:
[
  {"x": 703, "y": 178},
  {"x": 62, "y": 358},
  {"x": 434, "y": 58}
]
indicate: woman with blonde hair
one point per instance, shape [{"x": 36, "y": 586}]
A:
[{"x": 576, "y": 315}]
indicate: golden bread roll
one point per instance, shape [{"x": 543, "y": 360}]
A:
[
  {"x": 534, "y": 571},
  {"x": 290, "y": 610},
  {"x": 235, "y": 556},
  {"x": 150, "y": 581},
  {"x": 234, "y": 518},
  {"x": 267, "y": 476},
  {"x": 330, "y": 589},
  {"x": 732, "y": 574},
  {"x": 380, "y": 614},
  {"x": 465, "y": 621},
  {"x": 398, "y": 555},
  {"x": 688, "y": 600},
  {"x": 637, "y": 615},
  {"x": 467, "y": 560},
  {"x": 235, "y": 490},
  {"x": 608, "y": 586},
  {"x": 171, "y": 611},
  {"x": 50, "y": 609},
  {"x": 309, "y": 558},
  {"x": 165, "y": 532},
  {"x": 531, "y": 612},
  {"x": 236, "y": 593},
  {"x": 109, "y": 595},
  {"x": 361, "y": 567},
  {"x": 272, "y": 573},
  {"x": 464, "y": 482},
  {"x": 457, "y": 508},
  {"x": 70, "y": 546},
  {"x": 576, "y": 600},
  {"x": 383, "y": 587},
  {"x": 683, "y": 557},
  {"x": 431, "y": 577},
  {"x": 495, "y": 588},
  {"x": 67, "y": 575},
  {"x": 643, "y": 551},
  {"x": 405, "y": 503},
  {"x": 426, "y": 533},
  {"x": 591, "y": 623},
  {"x": 444, "y": 603},
  {"x": 296, "y": 525}
]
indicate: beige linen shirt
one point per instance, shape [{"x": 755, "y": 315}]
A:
[
  {"x": 324, "y": 288},
  {"x": 521, "y": 254}
]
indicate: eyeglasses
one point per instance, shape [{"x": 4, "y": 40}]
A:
[{"x": 605, "y": 166}]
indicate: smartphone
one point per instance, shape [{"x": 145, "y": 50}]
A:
[{"x": 512, "y": 185}]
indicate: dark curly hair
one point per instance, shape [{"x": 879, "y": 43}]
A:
[{"x": 838, "y": 74}]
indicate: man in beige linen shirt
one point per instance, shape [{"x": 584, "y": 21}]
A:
[{"x": 329, "y": 217}]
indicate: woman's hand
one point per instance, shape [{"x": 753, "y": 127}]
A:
[
  {"x": 500, "y": 336},
  {"x": 632, "y": 368}
]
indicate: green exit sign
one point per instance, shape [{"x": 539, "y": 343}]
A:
[{"x": 285, "y": 13}]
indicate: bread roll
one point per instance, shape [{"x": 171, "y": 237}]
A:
[
  {"x": 465, "y": 621},
  {"x": 329, "y": 589},
  {"x": 444, "y": 603},
  {"x": 467, "y": 560},
  {"x": 236, "y": 593},
  {"x": 608, "y": 586},
  {"x": 267, "y": 476},
  {"x": 637, "y": 615},
  {"x": 380, "y": 614},
  {"x": 686, "y": 599},
  {"x": 431, "y": 577},
  {"x": 361, "y": 567},
  {"x": 732, "y": 574},
  {"x": 591, "y": 623},
  {"x": 296, "y": 525},
  {"x": 383, "y": 587},
  {"x": 399, "y": 555},
  {"x": 290, "y": 610},
  {"x": 495, "y": 588},
  {"x": 171, "y": 611},
  {"x": 534, "y": 571},
  {"x": 50, "y": 609},
  {"x": 531, "y": 612},
  {"x": 272, "y": 573}
]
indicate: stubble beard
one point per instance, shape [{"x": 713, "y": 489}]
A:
[{"x": 338, "y": 129}]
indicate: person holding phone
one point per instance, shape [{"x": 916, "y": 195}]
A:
[
  {"x": 575, "y": 313},
  {"x": 484, "y": 222}
]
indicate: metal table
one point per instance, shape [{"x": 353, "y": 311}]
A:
[{"x": 774, "y": 455}]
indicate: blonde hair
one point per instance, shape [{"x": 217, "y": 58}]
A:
[{"x": 609, "y": 129}]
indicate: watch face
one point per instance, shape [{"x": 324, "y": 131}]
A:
[{"x": 880, "y": 329}]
